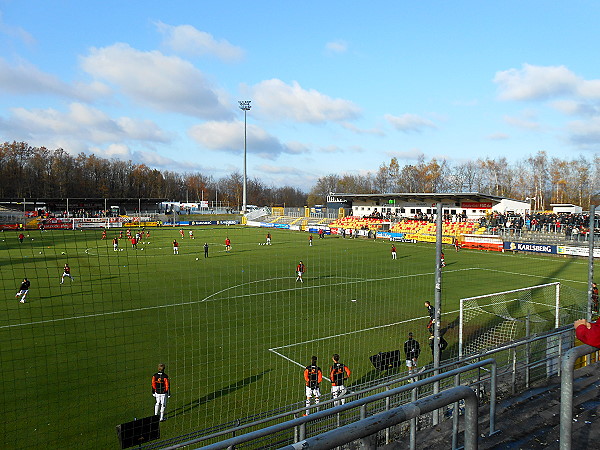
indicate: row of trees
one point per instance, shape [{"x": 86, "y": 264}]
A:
[
  {"x": 542, "y": 179},
  {"x": 37, "y": 172}
]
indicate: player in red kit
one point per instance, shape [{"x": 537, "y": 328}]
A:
[
  {"x": 300, "y": 269},
  {"x": 227, "y": 245},
  {"x": 66, "y": 273},
  {"x": 175, "y": 247}
]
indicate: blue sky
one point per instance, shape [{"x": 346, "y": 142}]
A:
[{"x": 336, "y": 86}]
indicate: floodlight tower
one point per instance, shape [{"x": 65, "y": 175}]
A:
[{"x": 245, "y": 106}]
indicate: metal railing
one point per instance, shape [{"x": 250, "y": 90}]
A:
[
  {"x": 526, "y": 360},
  {"x": 566, "y": 392},
  {"x": 367, "y": 428}
]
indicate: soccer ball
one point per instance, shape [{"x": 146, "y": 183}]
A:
[
  {"x": 197, "y": 259},
  {"x": 62, "y": 253},
  {"x": 141, "y": 249}
]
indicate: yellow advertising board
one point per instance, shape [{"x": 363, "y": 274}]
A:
[{"x": 428, "y": 238}]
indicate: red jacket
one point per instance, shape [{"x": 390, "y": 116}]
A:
[{"x": 590, "y": 336}]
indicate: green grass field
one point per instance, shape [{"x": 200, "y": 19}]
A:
[{"x": 234, "y": 330}]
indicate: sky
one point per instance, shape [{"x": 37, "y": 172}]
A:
[{"x": 335, "y": 86}]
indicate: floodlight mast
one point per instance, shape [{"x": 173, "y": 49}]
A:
[{"x": 245, "y": 106}]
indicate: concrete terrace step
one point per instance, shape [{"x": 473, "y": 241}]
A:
[{"x": 529, "y": 420}]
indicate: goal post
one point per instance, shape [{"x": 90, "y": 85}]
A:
[{"x": 489, "y": 320}]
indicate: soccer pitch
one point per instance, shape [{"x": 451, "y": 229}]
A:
[{"x": 234, "y": 330}]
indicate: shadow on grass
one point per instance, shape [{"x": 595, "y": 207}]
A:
[{"x": 216, "y": 394}]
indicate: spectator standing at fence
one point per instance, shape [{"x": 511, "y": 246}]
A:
[
  {"x": 338, "y": 374},
  {"x": 588, "y": 332},
  {"x": 312, "y": 378},
  {"x": 161, "y": 391},
  {"x": 412, "y": 350}
]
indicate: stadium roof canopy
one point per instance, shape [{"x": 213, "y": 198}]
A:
[{"x": 447, "y": 197}]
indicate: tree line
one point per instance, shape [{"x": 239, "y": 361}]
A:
[
  {"x": 539, "y": 179},
  {"x": 38, "y": 172}
]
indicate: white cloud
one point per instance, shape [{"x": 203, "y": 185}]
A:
[
  {"x": 543, "y": 82},
  {"x": 498, "y": 136},
  {"x": 165, "y": 83},
  {"x": 81, "y": 122},
  {"x": 25, "y": 78},
  {"x": 522, "y": 122},
  {"x": 15, "y": 32},
  {"x": 355, "y": 129},
  {"x": 585, "y": 133},
  {"x": 409, "y": 122},
  {"x": 189, "y": 40},
  {"x": 337, "y": 46},
  {"x": 279, "y": 100},
  {"x": 412, "y": 154},
  {"x": 229, "y": 137},
  {"x": 152, "y": 159},
  {"x": 573, "y": 107}
]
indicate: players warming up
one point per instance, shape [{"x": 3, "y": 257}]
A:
[
  {"x": 115, "y": 244},
  {"x": 393, "y": 251},
  {"x": 268, "y": 239},
  {"x": 161, "y": 391},
  {"x": 442, "y": 260},
  {"x": 181, "y": 233},
  {"x": 310, "y": 240},
  {"x": 66, "y": 273},
  {"x": 338, "y": 374},
  {"x": 175, "y": 247},
  {"x": 312, "y": 377},
  {"x": 23, "y": 290},
  {"x": 300, "y": 269},
  {"x": 412, "y": 350},
  {"x": 227, "y": 245},
  {"x": 191, "y": 233},
  {"x": 206, "y": 249}
]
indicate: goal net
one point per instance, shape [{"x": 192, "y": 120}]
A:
[{"x": 490, "y": 320}]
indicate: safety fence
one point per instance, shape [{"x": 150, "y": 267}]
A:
[{"x": 525, "y": 361}]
